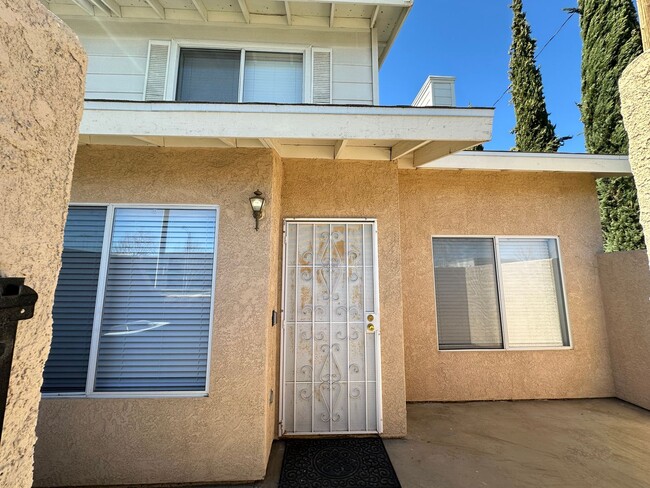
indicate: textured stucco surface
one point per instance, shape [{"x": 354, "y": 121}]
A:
[
  {"x": 485, "y": 203},
  {"x": 625, "y": 282},
  {"x": 274, "y": 214},
  {"x": 349, "y": 189},
  {"x": 42, "y": 71},
  {"x": 634, "y": 86},
  {"x": 227, "y": 436},
  {"x": 182, "y": 440}
]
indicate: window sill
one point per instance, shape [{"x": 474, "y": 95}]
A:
[
  {"x": 511, "y": 349},
  {"x": 123, "y": 396}
]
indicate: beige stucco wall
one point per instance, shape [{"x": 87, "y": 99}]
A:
[
  {"x": 137, "y": 441},
  {"x": 225, "y": 436},
  {"x": 634, "y": 86},
  {"x": 274, "y": 214},
  {"x": 625, "y": 282},
  {"x": 348, "y": 189},
  {"x": 42, "y": 71},
  {"x": 485, "y": 203}
]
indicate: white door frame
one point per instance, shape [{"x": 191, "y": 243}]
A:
[{"x": 380, "y": 416}]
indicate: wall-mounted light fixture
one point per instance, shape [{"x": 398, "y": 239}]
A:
[{"x": 257, "y": 204}]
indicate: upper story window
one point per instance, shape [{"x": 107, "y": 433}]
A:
[
  {"x": 224, "y": 75},
  {"x": 200, "y": 71}
]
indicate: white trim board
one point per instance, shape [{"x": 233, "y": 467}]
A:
[
  {"x": 600, "y": 165},
  {"x": 286, "y": 121}
]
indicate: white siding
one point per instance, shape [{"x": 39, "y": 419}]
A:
[
  {"x": 437, "y": 91},
  {"x": 352, "y": 75},
  {"x": 116, "y": 67},
  {"x": 117, "y": 54}
]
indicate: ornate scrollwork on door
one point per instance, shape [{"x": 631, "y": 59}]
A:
[
  {"x": 332, "y": 263},
  {"x": 329, "y": 292},
  {"x": 330, "y": 377}
]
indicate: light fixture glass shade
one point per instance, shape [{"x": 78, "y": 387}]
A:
[{"x": 257, "y": 202}]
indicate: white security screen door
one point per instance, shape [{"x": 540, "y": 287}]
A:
[{"x": 331, "y": 381}]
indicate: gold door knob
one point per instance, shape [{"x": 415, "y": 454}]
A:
[{"x": 371, "y": 328}]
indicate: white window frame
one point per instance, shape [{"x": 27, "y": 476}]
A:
[
  {"x": 243, "y": 47},
  {"x": 502, "y": 314},
  {"x": 99, "y": 303}
]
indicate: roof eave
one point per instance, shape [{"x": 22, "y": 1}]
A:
[
  {"x": 369, "y": 132},
  {"x": 391, "y": 40}
]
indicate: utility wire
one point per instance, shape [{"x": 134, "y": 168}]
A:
[{"x": 539, "y": 53}]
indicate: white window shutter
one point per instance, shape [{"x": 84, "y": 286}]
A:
[
  {"x": 321, "y": 76},
  {"x": 157, "y": 64}
]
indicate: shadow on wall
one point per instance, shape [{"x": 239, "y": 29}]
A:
[{"x": 625, "y": 282}]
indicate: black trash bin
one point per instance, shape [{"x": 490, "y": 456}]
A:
[{"x": 16, "y": 304}]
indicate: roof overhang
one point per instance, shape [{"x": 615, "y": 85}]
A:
[
  {"x": 420, "y": 135},
  {"x": 597, "y": 165},
  {"x": 386, "y": 17}
]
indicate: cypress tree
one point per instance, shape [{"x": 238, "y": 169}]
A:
[
  {"x": 533, "y": 131},
  {"x": 611, "y": 40}
]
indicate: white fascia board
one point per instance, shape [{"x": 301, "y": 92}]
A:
[
  {"x": 598, "y": 165},
  {"x": 286, "y": 121},
  {"x": 393, "y": 35},
  {"x": 383, "y": 3}
]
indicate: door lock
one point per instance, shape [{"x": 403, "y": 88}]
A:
[{"x": 371, "y": 326}]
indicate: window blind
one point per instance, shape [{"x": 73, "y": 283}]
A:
[
  {"x": 156, "y": 312},
  {"x": 533, "y": 295},
  {"x": 273, "y": 77},
  {"x": 466, "y": 294},
  {"x": 74, "y": 301},
  {"x": 208, "y": 75}
]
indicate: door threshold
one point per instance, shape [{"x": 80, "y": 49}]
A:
[{"x": 328, "y": 435}]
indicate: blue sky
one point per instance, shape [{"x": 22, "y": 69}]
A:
[{"x": 470, "y": 40}]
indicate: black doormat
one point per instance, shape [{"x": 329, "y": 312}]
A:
[{"x": 337, "y": 463}]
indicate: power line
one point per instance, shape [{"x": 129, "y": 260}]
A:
[
  {"x": 538, "y": 54},
  {"x": 555, "y": 35}
]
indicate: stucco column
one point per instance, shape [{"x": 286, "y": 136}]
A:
[
  {"x": 634, "y": 87},
  {"x": 42, "y": 73}
]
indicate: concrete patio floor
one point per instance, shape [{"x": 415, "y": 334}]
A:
[
  {"x": 569, "y": 444},
  {"x": 573, "y": 443}
]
